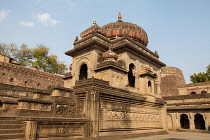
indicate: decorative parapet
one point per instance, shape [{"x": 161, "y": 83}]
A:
[
  {"x": 192, "y": 96},
  {"x": 33, "y": 104},
  {"x": 30, "y": 72},
  {"x": 62, "y": 92},
  {"x": 195, "y": 84}
]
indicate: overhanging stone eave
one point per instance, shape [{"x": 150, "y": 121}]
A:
[
  {"x": 129, "y": 39},
  {"x": 148, "y": 74},
  {"x": 90, "y": 36},
  {"x": 93, "y": 44},
  {"x": 139, "y": 53},
  {"x": 101, "y": 68},
  {"x": 101, "y": 86},
  {"x": 112, "y": 91}
]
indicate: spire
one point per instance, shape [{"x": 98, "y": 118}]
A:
[
  {"x": 94, "y": 22},
  {"x": 119, "y": 17}
]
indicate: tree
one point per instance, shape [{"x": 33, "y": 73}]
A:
[
  {"x": 208, "y": 70},
  {"x": 9, "y": 50},
  {"x": 201, "y": 77},
  {"x": 34, "y": 57}
]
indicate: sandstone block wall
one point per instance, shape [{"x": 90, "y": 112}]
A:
[
  {"x": 171, "y": 79},
  {"x": 18, "y": 75}
]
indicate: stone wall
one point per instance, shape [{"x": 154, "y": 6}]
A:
[
  {"x": 171, "y": 79},
  {"x": 188, "y": 112},
  {"x": 195, "y": 88},
  {"x": 113, "y": 110},
  {"x": 22, "y": 76}
]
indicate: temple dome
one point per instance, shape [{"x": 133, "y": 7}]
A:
[
  {"x": 119, "y": 28},
  {"x": 109, "y": 55}
]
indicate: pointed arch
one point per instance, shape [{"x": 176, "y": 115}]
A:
[
  {"x": 131, "y": 77},
  {"x": 149, "y": 86},
  {"x": 83, "y": 73},
  {"x": 199, "y": 122},
  {"x": 184, "y": 121}
]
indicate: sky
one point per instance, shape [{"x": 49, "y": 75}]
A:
[{"x": 179, "y": 30}]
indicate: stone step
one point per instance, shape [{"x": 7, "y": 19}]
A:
[
  {"x": 15, "y": 139},
  {"x": 10, "y": 131},
  {"x": 12, "y": 136},
  {"x": 10, "y": 126},
  {"x": 9, "y": 122}
]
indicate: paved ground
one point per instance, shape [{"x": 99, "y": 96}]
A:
[{"x": 177, "y": 136}]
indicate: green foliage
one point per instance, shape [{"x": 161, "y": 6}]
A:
[
  {"x": 201, "y": 77},
  {"x": 37, "y": 57},
  {"x": 208, "y": 70}
]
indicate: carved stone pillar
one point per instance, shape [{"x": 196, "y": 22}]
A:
[
  {"x": 191, "y": 120},
  {"x": 93, "y": 106},
  {"x": 31, "y": 130},
  {"x": 206, "y": 119},
  {"x": 177, "y": 122},
  {"x": 164, "y": 117}
]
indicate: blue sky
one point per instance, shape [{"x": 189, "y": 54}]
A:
[{"x": 179, "y": 30}]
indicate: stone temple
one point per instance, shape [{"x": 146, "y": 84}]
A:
[{"x": 116, "y": 88}]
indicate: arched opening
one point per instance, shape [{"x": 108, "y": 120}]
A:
[
  {"x": 184, "y": 121},
  {"x": 193, "y": 92},
  {"x": 11, "y": 79},
  {"x": 83, "y": 72},
  {"x": 199, "y": 122},
  {"x": 131, "y": 77},
  {"x": 150, "y": 86},
  {"x": 203, "y": 92}
]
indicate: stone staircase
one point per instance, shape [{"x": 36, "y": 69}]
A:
[{"x": 11, "y": 129}]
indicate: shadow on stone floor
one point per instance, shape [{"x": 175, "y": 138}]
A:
[{"x": 175, "y": 139}]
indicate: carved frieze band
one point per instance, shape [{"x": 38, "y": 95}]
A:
[
  {"x": 116, "y": 115},
  {"x": 72, "y": 129},
  {"x": 34, "y": 106}
]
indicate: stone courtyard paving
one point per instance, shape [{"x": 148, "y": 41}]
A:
[{"x": 177, "y": 136}]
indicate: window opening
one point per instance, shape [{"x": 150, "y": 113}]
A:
[
  {"x": 83, "y": 72},
  {"x": 131, "y": 77}
]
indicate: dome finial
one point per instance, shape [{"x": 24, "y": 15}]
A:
[
  {"x": 119, "y": 17},
  {"x": 94, "y": 22}
]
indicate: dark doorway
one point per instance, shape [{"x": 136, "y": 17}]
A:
[
  {"x": 150, "y": 86},
  {"x": 83, "y": 72},
  {"x": 184, "y": 121},
  {"x": 193, "y": 92},
  {"x": 203, "y": 92},
  {"x": 199, "y": 122},
  {"x": 131, "y": 77}
]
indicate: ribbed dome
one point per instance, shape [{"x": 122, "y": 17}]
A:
[
  {"x": 109, "y": 55},
  {"x": 118, "y": 28}
]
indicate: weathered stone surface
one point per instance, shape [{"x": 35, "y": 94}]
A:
[{"x": 113, "y": 88}]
